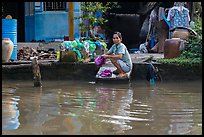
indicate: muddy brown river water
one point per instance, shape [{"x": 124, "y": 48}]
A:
[{"x": 89, "y": 108}]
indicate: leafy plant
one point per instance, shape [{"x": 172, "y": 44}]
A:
[
  {"x": 194, "y": 43},
  {"x": 88, "y": 17}
]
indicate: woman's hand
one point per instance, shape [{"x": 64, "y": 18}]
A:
[{"x": 105, "y": 56}]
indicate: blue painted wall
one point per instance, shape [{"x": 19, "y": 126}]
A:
[
  {"x": 50, "y": 25},
  {"x": 29, "y": 28},
  {"x": 53, "y": 25}
]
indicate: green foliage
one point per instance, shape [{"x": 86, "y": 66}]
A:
[
  {"x": 181, "y": 61},
  {"x": 194, "y": 43},
  {"x": 88, "y": 18},
  {"x": 192, "y": 54}
]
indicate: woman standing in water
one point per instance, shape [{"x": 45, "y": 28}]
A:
[{"x": 119, "y": 56}]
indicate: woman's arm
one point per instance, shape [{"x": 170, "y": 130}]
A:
[
  {"x": 108, "y": 53},
  {"x": 112, "y": 56}
]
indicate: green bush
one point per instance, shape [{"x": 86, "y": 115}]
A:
[{"x": 194, "y": 43}]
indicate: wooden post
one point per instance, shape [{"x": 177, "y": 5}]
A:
[
  {"x": 71, "y": 20},
  {"x": 36, "y": 73}
]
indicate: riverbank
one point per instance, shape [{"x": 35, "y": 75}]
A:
[{"x": 53, "y": 70}]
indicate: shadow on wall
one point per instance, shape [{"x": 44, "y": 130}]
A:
[{"x": 128, "y": 24}]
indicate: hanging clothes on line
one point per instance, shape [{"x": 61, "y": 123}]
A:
[{"x": 178, "y": 15}]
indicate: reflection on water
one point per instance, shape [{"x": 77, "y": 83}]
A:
[
  {"x": 10, "y": 112},
  {"x": 79, "y": 107}
]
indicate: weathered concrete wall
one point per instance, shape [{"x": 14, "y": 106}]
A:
[
  {"x": 87, "y": 71},
  {"x": 169, "y": 72}
]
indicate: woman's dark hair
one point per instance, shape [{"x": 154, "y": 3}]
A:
[{"x": 118, "y": 33}]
